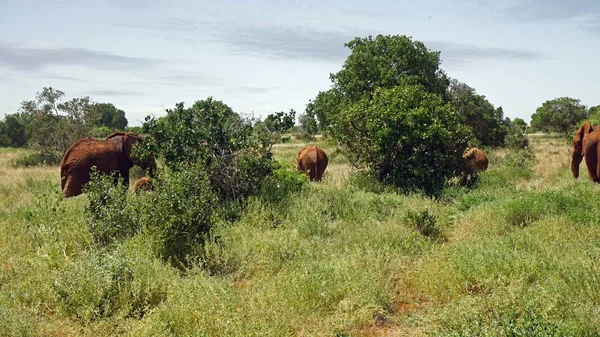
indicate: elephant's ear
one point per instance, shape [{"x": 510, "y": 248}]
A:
[
  {"x": 128, "y": 141},
  {"x": 584, "y": 130}
]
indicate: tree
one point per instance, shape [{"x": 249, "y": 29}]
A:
[
  {"x": 12, "y": 132},
  {"x": 280, "y": 121},
  {"x": 110, "y": 117},
  {"x": 387, "y": 62},
  {"x": 485, "y": 121},
  {"x": 519, "y": 123},
  {"x": 594, "y": 115},
  {"x": 52, "y": 125},
  {"x": 212, "y": 135},
  {"x": 406, "y": 136},
  {"x": 308, "y": 123},
  {"x": 390, "y": 107},
  {"x": 561, "y": 115}
]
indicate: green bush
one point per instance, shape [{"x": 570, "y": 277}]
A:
[
  {"x": 406, "y": 136},
  {"x": 127, "y": 282},
  {"x": 211, "y": 136},
  {"x": 278, "y": 187},
  {"x": 516, "y": 138},
  {"x": 425, "y": 222},
  {"x": 520, "y": 159},
  {"x": 38, "y": 159},
  {"x": 108, "y": 212},
  {"x": 179, "y": 214}
]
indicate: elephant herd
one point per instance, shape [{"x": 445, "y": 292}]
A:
[{"x": 112, "y": 156}]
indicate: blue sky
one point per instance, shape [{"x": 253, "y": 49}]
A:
[{"x": 264, "y": 56}]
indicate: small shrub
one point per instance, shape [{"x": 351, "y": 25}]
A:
[
  {"x": 127, "y": 282},
  {"x": 520, "y": 159},
  {"x": 425, "y": 222},
  {"x": 277, "y": 188},
  {"x": 366, "y": 182},
  {"x": 109, "y": 216},
  {"x": 179, "y": 214},
  {"x": 516, "y": 139},
  {"x": 38, "y": 159}
]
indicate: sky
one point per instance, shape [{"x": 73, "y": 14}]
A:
[{"x": 264, "y": 56}]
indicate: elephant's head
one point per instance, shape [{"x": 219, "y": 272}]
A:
[
  {"x": 578, "y": 141},
  {"x": 125, "y": 141}
]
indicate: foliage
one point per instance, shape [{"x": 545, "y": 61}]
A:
[
  {"x": 485, "y": 121},
  {"x": 388, "y": 61},
  {"x": 37, "y": 159},
  {"x": 210, "y": 134},
  {"x": 408, "y": 137},
  {"x": 280, "y": 121},
  {"x": 561, "y": 115},
  {"x": 425, "y": 222},
  {"x": 516, "y": 137},
  {"x": 280, "y": 186},
  {"x": 100, "y": 132},
  {"x": 109, "y": 219},
  {"x": 519, "y": 123},
  {"x": 177, "y": 217},
  {"x": 520, "y": 158},
  {"x": 12, "y": 132},
  {"x": 123, "y": 283},
  {"x": 109, "y": 116},
  {"x": 308, "y": 126},
  {"x": 50, "y": 125}
]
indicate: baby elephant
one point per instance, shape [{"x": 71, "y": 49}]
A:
[
  {"x": 144, "y": 183},
  {"x": 477, "y": 159},
  {"x": 312, "y": 160}
]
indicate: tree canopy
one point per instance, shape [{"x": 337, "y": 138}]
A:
[
  {"x": 389, "y": 105},
  {"x": 560, "y": 115},
  {"x": 486, "y": 122}
]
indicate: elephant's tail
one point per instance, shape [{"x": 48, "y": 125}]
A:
[{"x": 63, "y": 176}]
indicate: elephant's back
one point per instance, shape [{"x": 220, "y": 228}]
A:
[{"x": 82, "y": 150}]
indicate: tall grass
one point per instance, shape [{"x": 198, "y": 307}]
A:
[{"x": 519, "y": 254}]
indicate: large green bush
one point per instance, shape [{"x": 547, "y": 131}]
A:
[
  {"x": 210, "y": 134},
  {"x": 408, "y": 137}
]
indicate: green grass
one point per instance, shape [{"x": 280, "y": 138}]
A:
[{"x": 518, "y": 255}]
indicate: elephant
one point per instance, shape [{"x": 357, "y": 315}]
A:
[
  {"x": 476, "y": 159},
  {"x": 144, "y": 183},
  {"x": 585, "y": 144},
  {"x": 313, "y": 161},
  {"x": 111, "y": 155}
]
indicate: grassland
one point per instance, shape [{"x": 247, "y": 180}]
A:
[{"x": 518, "y": 255}]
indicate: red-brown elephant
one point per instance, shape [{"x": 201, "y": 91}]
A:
[
  {"x": 144, "y": 183},
  {"x": 110, "y": 156},
  {"x": 585, "y": 144},
  {"x": 477, "y": 159},
  {"x": 313, "y": 161}
]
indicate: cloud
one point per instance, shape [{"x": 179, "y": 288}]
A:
[
  {"x": 248, "y": 90},
  {"x": 456, "y": 54},
  {"x": 56, "y": 77},
  {"x": 287, "y": 42},
  {"x": 28, "y": 58},
  {"x": 554, "y": 10},
  {"x": 103, "y": 92}
]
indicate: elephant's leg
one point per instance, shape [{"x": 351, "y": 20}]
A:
[
  {"x": 592, "y": 166},
  {"x": 74, "y": 182}
]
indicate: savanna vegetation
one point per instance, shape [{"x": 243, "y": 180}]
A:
[{"x": 232, "y": 241}]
